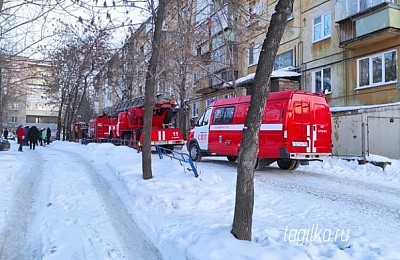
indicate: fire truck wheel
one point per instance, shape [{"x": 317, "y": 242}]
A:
[
  {"x": 231, "y": 158},
  {"x": 194, "y": 152},
  {"x": 288, "y": 164}
]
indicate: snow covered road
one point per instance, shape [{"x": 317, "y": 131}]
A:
[
  {"x": 66, "y": 208},
  {"x": 73, "y": 201},
  {"x": 359, "y": 203}
]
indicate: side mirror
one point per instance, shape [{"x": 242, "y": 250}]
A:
[{"x": 192, "y": 124}]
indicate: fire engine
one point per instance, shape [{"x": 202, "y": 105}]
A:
[
  {"x": 126, "y": 124},
  {"x": 295, "y": 129}
]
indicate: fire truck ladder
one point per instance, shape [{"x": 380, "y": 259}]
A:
[{"x": 181, "y": 157}]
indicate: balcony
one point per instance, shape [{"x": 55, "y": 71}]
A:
[{"x": 374, "y": 24}]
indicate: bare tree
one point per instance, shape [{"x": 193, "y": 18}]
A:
[
  {"x": 242, "y": 222},
  {"x": 77, "y": 64},
  {"x": 149, "y": 88}
]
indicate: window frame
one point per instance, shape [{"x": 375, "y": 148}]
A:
[
  {"x": 314, "y": 78},
  {"x": 322, "y": 24},
  {"x": 254, "y": 53},
  {"x": 285, "y": 55},
  {"x": 370, "y": 63},
  {"x": 223, "y": 115},
  {"x": 195, "y": 109}
]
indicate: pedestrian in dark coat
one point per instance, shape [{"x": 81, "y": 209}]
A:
[
  {"x": 5, "y": 133},
  {"x": 33, "y": 136},
  {"x": 40, "y": 137},
  {"x": 26, "y": 128},
  {"x": 48, "y": 135},
  {"x": 21, "y": 137}
]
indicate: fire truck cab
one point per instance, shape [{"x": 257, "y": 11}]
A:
[{"x": 295, "y": 129}]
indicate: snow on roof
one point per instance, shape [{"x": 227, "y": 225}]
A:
[{"x": 281, "y": 73}]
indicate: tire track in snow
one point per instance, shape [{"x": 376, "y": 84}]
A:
[
  {"x": 15, "y": 242},
  {"x": 374, "y": 203},
  {"x": 135, "y": 244}
]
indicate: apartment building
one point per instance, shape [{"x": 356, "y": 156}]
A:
[
  {"x": 347, "y": 49},
  {"x": 25, "y": 92}
]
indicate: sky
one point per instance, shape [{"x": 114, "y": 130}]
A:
[
  {"x": 41, "y": 31},
  {"x": 74, "y": 201}
]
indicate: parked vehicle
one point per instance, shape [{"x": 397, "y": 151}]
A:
[
  {"x": 101, "y": 126},
  {"x": 125, "y": 126},
  {"x": 4, "y": 144},
  {"x": 10, "y": 136},
  {"x": 295, "y": 129}
]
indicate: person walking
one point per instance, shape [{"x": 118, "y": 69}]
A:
[
  {"x": 40, "y": 137},
  {"x": 33, "y": 136},
  {"x": 44, "y": 135},
  {"x": 48, "y": 133},
  {"x": 5, "y": 133},
  {"x": 26, "y": 128},
  {"x": 21, "y": 137}
]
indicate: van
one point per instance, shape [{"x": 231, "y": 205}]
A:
[{"x": 295, "y": 129}]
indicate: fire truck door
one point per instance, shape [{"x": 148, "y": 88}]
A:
[
  {"x": 202, "y": 129},
  {"x": 302, "y": 128}
]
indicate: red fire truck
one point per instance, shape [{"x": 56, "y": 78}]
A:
[
  {"x": 295, "y": 129},
  {"x": 127, "y": 125},
  {"x": 100, "y": 127}
]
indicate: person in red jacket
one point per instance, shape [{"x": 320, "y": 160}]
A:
[{"x": 21, "y": 137}]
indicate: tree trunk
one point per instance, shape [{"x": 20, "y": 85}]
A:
[
  {"x": 60, "y": 110},
  {"x": 149, "y": 90},
  {"x": 2, "y": 106},
  {"x": 242, "y": 222}
]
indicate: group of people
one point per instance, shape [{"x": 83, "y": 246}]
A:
[{"x": 32, "y": 135}]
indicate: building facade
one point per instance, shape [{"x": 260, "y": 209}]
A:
[
  {"x": 26, "y": 92},
  {"x": 347, "y": 49}
]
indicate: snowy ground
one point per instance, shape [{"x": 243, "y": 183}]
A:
[{"x": 71, "y": 201}]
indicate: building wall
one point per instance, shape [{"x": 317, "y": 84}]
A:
[{"x": 385, "y": 93}]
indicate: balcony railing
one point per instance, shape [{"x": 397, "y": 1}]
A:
[{"x": 371, "y": 25}]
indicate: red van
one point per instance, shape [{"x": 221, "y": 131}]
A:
[{"x": 295, "y": 129}]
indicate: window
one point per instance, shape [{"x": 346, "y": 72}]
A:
[
  {"x": 203, "y": 120},
  {"x": 355, "y": 6},
  {"x": 377, "y": 69},
  {"x": 13, "y": 106},
  {"x": 230, "y": 95},
  {"x": 301, "y": 112},
  {"x": 13, "y": 119},
  {"x": 203, "y": 10},
  {"x": 194, "y": 80},
  {"x": 195, "y": 109},
  {"x": 322, "y": 27},
  {"x": 223, "y": 115},
  {"x": 209, "y": 101},
  {"x": 284, "y": 60},
  {"x": 322, "y": 81},
  {"x": 254, "y": 54}
]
